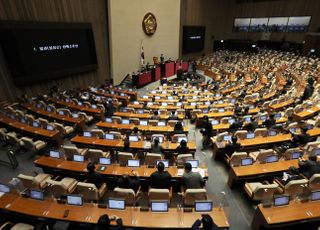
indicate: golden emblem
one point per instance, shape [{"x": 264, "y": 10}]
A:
[{"x": 149, "y": 24}]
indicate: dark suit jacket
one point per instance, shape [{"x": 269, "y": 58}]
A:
[
  {"x": 308, "y": 168},
  {"x": 160, "y": 179},
  {"x": 94, "y": 178}
]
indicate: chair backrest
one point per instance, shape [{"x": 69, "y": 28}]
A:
[
  {"x": 263, "y": 132},
  {"x": 192, "y": 195},
  {"x": 159, "y": 194},
  {"x": 43, "y": 122},
  {"x": 236, "y": 158},
  {"x": 225, "y": 120},
  {"x": 97, "y": 133},
  {"x": 241, "y": 134},
  {"x": 264, "y": 191},
  {"x": 263, "y": 154},
  {"x": 311, "y": 145},
  {"x": 182, "y": 158},
  {"x": 3, "y": 135},
  {"x": 134, "y": 120},
  {"x": 295, "y": 187},
  {"x": 69, "y": 151},
  {"x": 172, "y": 123},
  {"x": 95, "y": 154},
  {"x": 153, "y": 136},
  {"x": 116, "y": 119},
  {"x": 288, "y": 153},
  {"x": 12, "y": 139},
  {"x": 88, "y": 191},
  {"x": 117, "y": 135},
  {"x": 28, "y": 181},
  {"x": 153, "y": 122},
  {"x": 123, "y": 158},
  {"x": 151, "y": 158},
  {"x": 220, "y": 136},
  {"x": 314, "y": 181},
  {"x": 60, "y": 128},
  {"x": 125, "y": 193},
  {"x": 28, "y": 143}
]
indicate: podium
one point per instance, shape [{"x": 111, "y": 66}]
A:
[{"x": 142, "y": 79}]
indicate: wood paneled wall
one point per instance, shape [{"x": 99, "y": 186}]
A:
[
  {"x": 92, "y": 11},
  {"x": 218, "y": 17}
]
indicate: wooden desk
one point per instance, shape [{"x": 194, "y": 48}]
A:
[
  {"x": 113, "y": 170},
  {"x": 96, "y": 112},
  {"x": 211, "y": 114},
  {"x": 305, "y": 114},
  {"x": 280, "y": 106},
  {"x": 65, "y": 119},
  {"x": 90, "y": 213},
  {"x": 294, "y": 213},
  {"x": 146, "y": 129},
  {"x": 144, "y": 115},
  {"x": 118, "y": 144},
  {"x": 38, "y": 132},
  {"x": 257, "y": 170}
]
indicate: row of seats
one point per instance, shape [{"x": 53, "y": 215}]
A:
[{"x": 142, "y": 122}]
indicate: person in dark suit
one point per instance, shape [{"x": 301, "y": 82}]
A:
[
  {"x": 160, "y": 179},
  {"x": 251, "y": 126},
  {"x": 271, "y": 122},
  {"x": 104, "y": 223},
  {"x": 182, "y": 148},
  {"x": 129, "y": 182},
  {"x": 308, "y": 91},
  {"x": 233, "y": 146},
  {"x": 92, "y": 176},
  {"x": 292, "y": 174},
  {"x": 207, "y": 223},
  {"x": 236, "y": 125},
  {"x": 178, "y": 128},
  {"x": 309, "y": 167},
  {"x": 156, "y": 146},
  {"x": 237, "y": 110},
  {"x": 173, "y": 116},
  {"x": 302, "y": 138}
]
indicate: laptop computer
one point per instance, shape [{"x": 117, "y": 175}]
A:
[
  {"x": 231, "y": 121},
  {"x": 140, "y": 111},
  {"x": 78, "y": 158},
  {"x": 133, "y": 163},
  {"x": 109, "y": 120},
  {"x": 165, "y": 162},
  {"x": 194, "y": 163},
  {"x": 159, "y": 206},
  {"x": 50, "y": 127},
  {"x": 93, "y": 106},
  {"x": 36, "y": 194},
  {"x": 143, "y": 123},
  {"x": 133, "y": 138},
  {"x": 203, "y": 206},
  {"x": 61, "y": 112},
  {"x": 281, "y": 200},
  {"x": 74, "y": 200},
  {"x": 109, "y": 136},
  {"x": 221, "y": 110},
  {"x": 54, "y": 154},
  {"x": 125, "y": 121},
  {"x": 272, "y": 133},
  {"x": 36, "y": 124},
  {"x": 295, "y": 155},
  {"x": 214, "y": 122},
  {"x": 87, "y": 134},
  {"x": 161, "y": 123},
  {"x": 115, "y": 203},
  {"x": 246, "y": 161}
]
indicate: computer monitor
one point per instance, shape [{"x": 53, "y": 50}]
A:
[
  {"x": 217, "y": 94},
  {"x": 143, "y": 122},
  {"x": 67, "y": 100},
  {"x": 251, "y": 107},
  {"x": 246, "y": 161},
  {"x": 295, "y": 155},
  {"x": 133, "y": 138},
  {"x": 23, "y": 120},
  {"x": 78, "y": 158},
  {"x": 207, "y": 103},
  {"x": 214, "y": 122},
  {"x": 193, "y": 104},
  {"x": 194, "y": 97},
  {"x": 124, "y": 110},
  {"x": 104, "y": 161},
  {"x": 281, "y": 200},
  {"x": 74, "y": 200},
  {"x": 231, "y": 121},
  {"x": 109, "y": 136},
  {"x": 165, "y": 162},
  {"x": 125, "y": 121},
  {"x": 194, "y": 163},
  {"x": 179, "y": 103},
  {"x": 80, "y": 103},
  {"x": 317, "y": 152},
  {"x": 49, "y": 109},
  {"x": 149, "y": 103},
  {"x": 182, "y": 138},
  {"x": 75, "y": 115},
  {"x": 87, "y": 134},
  {"x": 145, "y": 97},
  {"x": 140, "y": 111},
  {"x": 227, "y": 138},
  {"x": 109, "y": 120},
  {"x": 203, "y": 206},
  {"x": 36, "y": 124},
  {"x": 233, "y": 100},
  {"x": 4, "y": 188},
  {"x": 277, "y": 116},
  {"x": 61, "y": 112},
  {"x": 250, "y": 135},
  {"x": 272, "y": 158},
  {"x": 205, "y": 111},
  {"x": 293, "y": 130},
  {"x": 50, "y": 127},
  {"x": 122, "y": 94},
  {"x": 159, "y": 206},
  {"x": 315, "y": 195},
  {"x": 160, "y": 139},
  {"x": 133, "y": 163},
  {"x": 54, "y": 154},
  {"x": 93, "y": 106},
  {"x": 36, "y": 194},
  {"x": 221, "y": 110},
  {"x": 247, "y": 119},
  {"x": 309, "y": 126},
  {"x": 112, "y": 92},
  {"x": 164, "y": 104},
  {"x": 161, "y": 123},
  {"x": 272, "y": 133},
  {"x": 263, "y": 117},
  {"x": 116, "y": 203},
  {"x": 157, "y": 97}
]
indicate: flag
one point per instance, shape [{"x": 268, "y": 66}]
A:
[{"x": 142, "y": 55}]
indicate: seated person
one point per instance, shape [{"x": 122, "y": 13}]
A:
[
  {"x": 182, "y": 148},
  {"x": 302, "y": 138},
  {"x": 237, "y": 110},
  {"x": 136, "y": 132},
  {"x": 161, "y": 178},
  {"x": 236, "y": 125},
  {"x": 155, "y": 115},
  {"x": 104, "y": 223},
  {"x": 127, "y": 181},
  {"x": 309, "y": 167},
  {"x": 191, "y": 179},
  {"x": 178, "y": 128},
  {"x": 292, "y": 174},
  {"x": 207, "y": 223},
  {"x": 233, "y": 146},
  {"x": 92, "y": 176},
  {"x": 270, "y": 123},
  {"x": 173, "y": 116},
  {"x": 251, "y": 126},
  {"x": 126, "y": 145},
  {"x": 156, "y": 146}
]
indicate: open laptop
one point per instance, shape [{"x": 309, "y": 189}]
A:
[
  {"x": 315, "y": 195},
  {"x": 74, "y": 200},
  {"x": 93, "y": 106},
  {"x": 78, "y": 158},
  {"x": 61, "y": 112},
  {"x": 272, "y": 158},
  {"x": 49, "y": 109},
  {"x": 246, "y": 161},
  {"x": 75, "y": 115},
  {"x": 133, "y": 138},
  {"x": 203, "y": 206},
  {"x": 116, "y": 203},
  {"x": 263, "y": 118},
  {"x": 23, "y": 120},
  {"x": 140, "y": 111},
  {"x": 277, "y": 116},
  {"x": 192, "y": 104},
  {"x": 165, "y": 162},
  {"x": 281, "y": 200},
  {"x": 54, "y": 154},
  {"x": 179, "y": 103},
  {"x": 109, "y": 136},
  {"x": 250, "y": 135},
  {"x": 133, "y": 163},
  {"x": 143, "y": 123},
  {"x": 36, "y": 194},
  {"x": 87, "y": 134},
  {"x": 231, "y": 121},
  {"x": 194, "y": 163},
  {"x": 164, "y": 104},
  {"x": 159, "y": 206}
]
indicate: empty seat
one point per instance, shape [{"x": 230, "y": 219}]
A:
[
  {"x": 314, "y": 182},
  {"x": 90, "y": 192},
  {"x": 63, "y": 187},
  {"x": 182, "y": 158},
  {"x": 260, "y": 191},
  {"x": 151, "y": 158},
  {"x": 85, "y": 117},
  {"x": 116, "y": 119},
  {"x": 97, "y": 133},
  {"x": 192, "y": 195},
  {"x": 293, "y": 187},
  {"x": 159, "y": 194},
  {"x": 261, "y": 132},
  {"x": 126, "y": 193},
  {"x": 69, "y": 151},
  {"x": 34, "y": 182},
  {"x": 95, "y": 154},
  {"x": 289, "y": 153},
  {"x": 64, "y": 130},
  {"x": 123, "y": 158},
  {"x": 235, "y": 159},
  {"x": 31, "y": 145}
]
